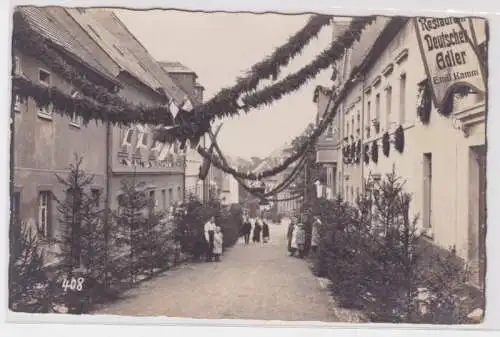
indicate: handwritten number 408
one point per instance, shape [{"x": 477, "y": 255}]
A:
[{"x": 73, "y": 284}]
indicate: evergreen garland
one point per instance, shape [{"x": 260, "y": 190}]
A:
[
  {"x": 33, "y": 44},
  {"x": 358, "y": 152},
  {"x": 386, "y": 144},
  {"x": 224, "y": 104},
  {"x": 375, "y": 151},
  {"x": 366, "y": 153},
  {"x": 399, "y": 139},
  {"x": 353, "y": 152},
  {"x": 424, "y": 102}
]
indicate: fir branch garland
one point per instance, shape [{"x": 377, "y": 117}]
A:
[
  {"x": 64, "y": 104},
  {"x": 386, "y": 145},
  {"x": 366, "y": 155},
  {"x": 329, "y": 114},
  {"x": 270, "y": 66},
  {"x": 292, "y": 82},
  {"x": 424, "y": 102},
  {"x": 399, "y": 139},
  {"x": 375, "y": 152},
  {"x": 358, "y": 152},
  {"x": 35, "y": 45}
]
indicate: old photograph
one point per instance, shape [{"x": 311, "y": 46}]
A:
[{"x": 299, "y": 167}]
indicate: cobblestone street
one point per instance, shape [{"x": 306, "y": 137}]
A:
[{"x": 258, "y": 281}]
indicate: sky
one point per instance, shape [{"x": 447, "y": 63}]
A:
[{"x": 220, "y": 47}]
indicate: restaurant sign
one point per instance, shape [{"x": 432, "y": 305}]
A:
[{"x": 450, "y": 55}]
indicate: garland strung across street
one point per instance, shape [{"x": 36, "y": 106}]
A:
[
  {"x": 229, "y": 106},
  {"x": 330, "y": 112}
]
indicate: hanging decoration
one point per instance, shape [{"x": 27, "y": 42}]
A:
[
  {"x": 227, "y": 105},
  {"x": 399, "y": 139},
  {"x": 31, "y": 43},
  {"x": 353, "y": 153},
  {"x": 269, "y": 67},
  {"x": 424, "y": 102},
  {"x": 88, "y": 109},
  {"x": 366, "y": 153},
  {"x": 345, "y": 153},
  {"x": 358, "y": 152},
  {"x": 386, "y": 144},
  {"x": 375, "y": 152}
]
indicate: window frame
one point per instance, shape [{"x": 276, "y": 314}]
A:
[
  {"x": 403, "y": 88},
  {"x": 45, "y": 230},
  {"x": 49, "y": 76},
  {"x": 75, "y": 119}
]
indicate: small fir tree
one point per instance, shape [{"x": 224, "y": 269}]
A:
[
  {"x": 28, "y": 282},
  {"x": 131, "y": 220}
]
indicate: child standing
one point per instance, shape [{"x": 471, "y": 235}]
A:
[{"x": 218, "y": 241}]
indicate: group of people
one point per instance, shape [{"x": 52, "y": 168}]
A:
[
  {"x": 214, "y": 239},
  {"x": 260, "y": 228},
  {"x": 296, "y": 236}
]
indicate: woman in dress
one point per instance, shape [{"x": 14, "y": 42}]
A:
[
  {"x": 300, "y": 239},
  {"x": 289, "y": 234},
  {"x": 218, "y": 243}
]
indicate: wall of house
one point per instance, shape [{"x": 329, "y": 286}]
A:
[
  {"x": 45, "y": 146},
  {"x": 452, "y": 177},
  {"x": 164, "y": 178}
]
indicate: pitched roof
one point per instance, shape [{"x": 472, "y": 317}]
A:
[
  {"x": 141, "y": 62},
  {"x": 176, "y": 68},
  {"x": 361, "y": 49},
  {"x": 113, "y": 46},
  {"x": 56, "y": 25}
]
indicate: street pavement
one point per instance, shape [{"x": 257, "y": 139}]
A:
[{"x": 258, "y": 281}]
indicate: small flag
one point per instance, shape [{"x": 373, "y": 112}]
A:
[
  {"x": 187, "y": 106},
  {"x": 174, "y": 110}
]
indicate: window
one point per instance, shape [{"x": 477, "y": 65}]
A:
[
  {"x": 16, "y": 207},
  {"x": 45, "y": 111},
  {"x": 179, "y": 193},
  {"x": 128, "y": 136},
  {"x": 17, "y": 66},
  {"x": 402, "y": 99},
  {"x": 368, "y": 118},
  {"x": 377, "y": 110},
  {"x": 44, "y": 213},
  {"x": 170, "y": 196},
  {"x": 388, "y": 103},
  {"x": 164, "y": 199},
  {"x": 152, "y": 197},
  {"x": 329, "y": 131},
  {"x": 44, "y": 77},
  {"x": 96, "y": 196},
  {"x": 75, "y": 118},
  {"x": 347, "y": 130},
  {"x": 145, "y": 139}
]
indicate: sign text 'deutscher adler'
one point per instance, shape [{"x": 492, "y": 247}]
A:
[{"x": 448, "y": 55}]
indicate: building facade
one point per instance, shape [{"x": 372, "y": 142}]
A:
[
  {"x": 134, "y": 155},
  {"x": 44, "y": 142},
  {"x": 328, "y": 144},
  {"x": 186, "y": 79},
  {"x": 443, "y": 160}
]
